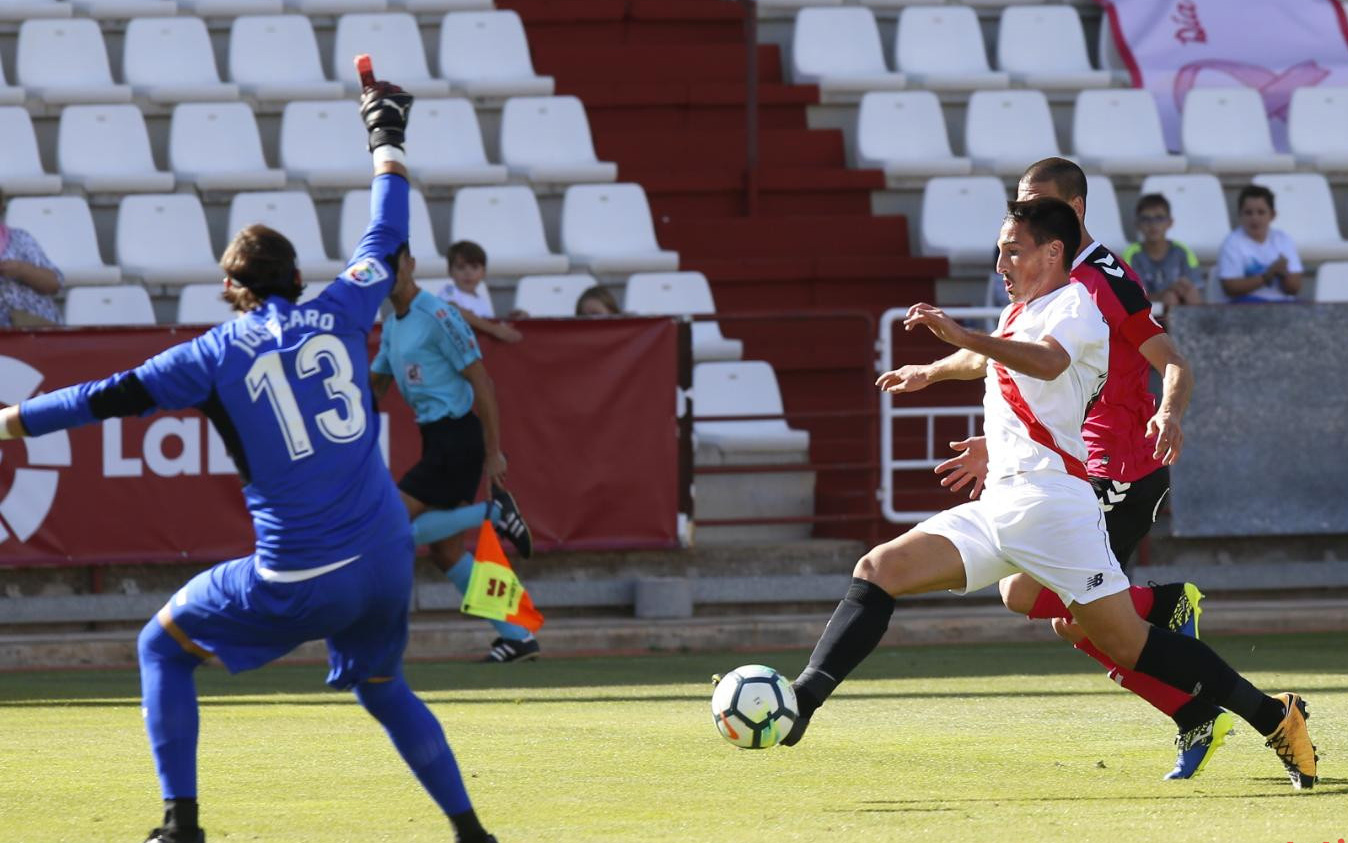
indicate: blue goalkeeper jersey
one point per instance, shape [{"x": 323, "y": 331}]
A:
[{"x": 287, "y": 387}]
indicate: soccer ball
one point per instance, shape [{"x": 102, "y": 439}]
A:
[{"x": 754, "y": 707}]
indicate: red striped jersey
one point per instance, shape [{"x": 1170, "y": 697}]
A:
[
  {"x": 1033, "y": 424},
  {"x": 1115, "y": 429}
]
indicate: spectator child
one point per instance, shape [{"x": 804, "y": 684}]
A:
[
  {"x": 597, "y": 301},
  {"x": 468, "y": 269},
  {"x": 1168, "y": 268},
  {"x": 1258, "y": 263}
]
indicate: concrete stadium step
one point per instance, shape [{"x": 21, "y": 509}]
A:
[
  {"x": 634, "y": 22},
  {"x": 639, "y": 63},
  {"x": 965, "y": 622},
  {"x": 684, "y": 150},
  {"x": 659, "y": 106},
  {"x": 800, "y": 234}
]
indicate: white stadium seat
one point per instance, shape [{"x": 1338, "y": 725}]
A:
[
  {"x": 1004, "y": 131},
  {"x": 741, "y": 388},
  {"x": 20, "y": 165},
  {"x": 431, "y": 261},
  {"x": 65, "y": 61},
  {"x": 230, "y": 8},
  {"x": 394, "y": 45},
  {"x": 163, "y": 239},
  {"x": 1225, "y": 130},
  {"x": 127, "y": 304},
  {"x": 447, "y": 149},
  {"x": 1118, "y": 132},
  {"x": 839, "y": 50},
  {"x": 201, "y": 304},
  {"x": 312, "y": 290},
  {"x": 1104, "y": 219},
  {"x": 321, "y": 144},
  {"x": 10, "y": 94},
  {"x": 682, "y": 293},
  {"x": 275, "y": 58},
  {"x": 551, "y": 295},
  {"x": 1198, "y": 208},
  {"x": 486, "y": 55},
  {"x": 84, "y": 138},
  {"x": 786, "y": 9},
  {"x": 335, "y": 7},
  {"x": 124, "y": 9},
  {"x": 961, "y": 217},
  {"x": 1317, "y": 127},
  {"x": 547, "y": 141},
  {"x": 170, "y": 60},
  {"x": 216, "y": 146},
  {"x": 904, "y": 134},
  {"x": 439, "y": 7},
  {"x": 608, "y": 229},
  {"x": 1021, "y": 38},
  {"x": 1331, "y": 282},
  {"x": 64, "y": 228},
  {"x": 506, "y": 222},
  {"x": 292, "y": 213},
  {"x": 21, "y": 10},
  {"x": 941, "y": 48},
  {"x": 1305, "y": 210}
]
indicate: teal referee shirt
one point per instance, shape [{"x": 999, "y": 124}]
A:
[{"x": 426, "y": 351}]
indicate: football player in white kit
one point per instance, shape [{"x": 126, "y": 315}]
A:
[{"x": 1045, "y": 364}]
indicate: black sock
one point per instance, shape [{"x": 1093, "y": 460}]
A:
[
  {"x": 180, "y": 817},
  {"x": 852, "y": 633},
  {"x": 1164, "y": 600},
  {"x": 1189, "y": 664},
  {"x": 1194, "y": 713},
  {"x": 467, "y": 829}
]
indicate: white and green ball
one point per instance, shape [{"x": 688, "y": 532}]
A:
[{"x": 754, "y": 707}]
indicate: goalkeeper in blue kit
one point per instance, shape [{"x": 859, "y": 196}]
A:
[{"x": 286, "y": 387}]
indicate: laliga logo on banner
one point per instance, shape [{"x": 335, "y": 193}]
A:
[{"x": 25, "y": 504}]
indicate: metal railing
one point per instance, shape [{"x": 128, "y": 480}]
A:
[{"x": 889, "y": 412}]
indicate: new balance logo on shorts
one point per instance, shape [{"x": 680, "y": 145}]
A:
[{"x": 1094, "y": 580}]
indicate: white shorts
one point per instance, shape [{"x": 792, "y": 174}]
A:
[{"x": 1045, "y": 523}]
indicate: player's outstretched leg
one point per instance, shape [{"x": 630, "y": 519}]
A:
[
  {"x": 1201, "y": 727},
  {"x": 420, "y": 740},
  {"x": 169, "y": 700},
  {"x": 1185, "y": 662},
  {"x": 914, "y": 563}
]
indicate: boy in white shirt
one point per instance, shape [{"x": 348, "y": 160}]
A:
[
  {"x": 1258, "y": 263},
  {"x": 468, "y": 269}
]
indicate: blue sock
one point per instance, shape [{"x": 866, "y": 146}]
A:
[
  {"x": 168, "y": 692},
  {"x": 459, "y": 574},
  {"x": 437, "y": 524},
  {"x": 419, "y": 739}
]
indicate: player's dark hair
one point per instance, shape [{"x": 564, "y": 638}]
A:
[
  {"x": 1049, "y": 219},
  {"x": 468, "y": 252},
  {"x": 601, "y": 295},
  {"x": 262, "y": 260},
  {"x": 1152, "y": 200},
  {"x": 1066, "y": 177},
  {"x": 1255, "y": 191}
]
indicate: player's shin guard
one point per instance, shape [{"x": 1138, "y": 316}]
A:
[
  {"x": 419, "y": 739},
  {"x": 459, "y": 575},
  {"x": 169, "y": 700},
  {"x": 852, "y": 633},
  {"x": 437, "y": 524},
  {"x": 1184, "y": 662}
]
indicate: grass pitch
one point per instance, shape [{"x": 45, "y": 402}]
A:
[{"x": 1025, "y": 742}]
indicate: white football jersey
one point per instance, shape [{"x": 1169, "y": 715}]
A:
[{"x": 1033, "y": 424}]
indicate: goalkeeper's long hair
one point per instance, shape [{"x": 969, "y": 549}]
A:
[{"x": 261, "y": 260}]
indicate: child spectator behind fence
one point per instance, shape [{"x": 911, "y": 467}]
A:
[
  {"x": 1258, "y": 263},
  {"x": 467, "y": 270},
  {"x": 1167, "y": 267}
]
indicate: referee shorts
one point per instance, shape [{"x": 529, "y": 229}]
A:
[
  {"x": 1130, "y": 509},
  {"x": 450, "y": 469}
]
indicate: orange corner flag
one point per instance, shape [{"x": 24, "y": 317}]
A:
[{"x": 494, "y": 591}]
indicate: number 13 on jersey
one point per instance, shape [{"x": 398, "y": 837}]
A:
[{"x": 268, "y": 377}]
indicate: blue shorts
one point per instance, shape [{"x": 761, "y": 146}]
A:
[{"x": 246, "y": 620}]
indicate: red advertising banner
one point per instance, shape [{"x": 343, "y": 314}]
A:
[{"x": 587, "y": 423}]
